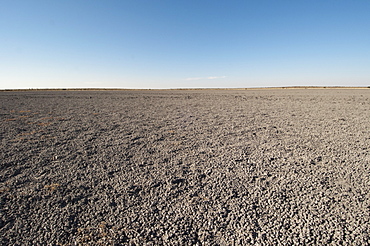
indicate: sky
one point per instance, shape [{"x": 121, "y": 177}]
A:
[{"x": 183, "y": 43}]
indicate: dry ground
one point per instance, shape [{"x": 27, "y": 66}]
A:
[{"x": 202, "y": 167}]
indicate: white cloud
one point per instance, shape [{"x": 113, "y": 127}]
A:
[
  {"x": 221, "y": 77},
  {"x": 211, "y": 77}
]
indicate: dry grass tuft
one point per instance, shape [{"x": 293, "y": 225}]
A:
[
  {"x": 52, "y": 187},
  {"x": 100, "y": 235}
]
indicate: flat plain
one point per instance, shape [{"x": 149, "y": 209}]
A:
[{"x": 185, "y": 167}]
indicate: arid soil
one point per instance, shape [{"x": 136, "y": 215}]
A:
[{"x": 183, "y": 167}]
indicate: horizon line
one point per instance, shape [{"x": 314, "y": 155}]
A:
[{"x": 186, "y": 88}]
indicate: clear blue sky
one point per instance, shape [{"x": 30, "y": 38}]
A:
[{"x": 177, "y": 44}]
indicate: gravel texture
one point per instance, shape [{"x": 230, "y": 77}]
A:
[{"x": 185, "y": 167}]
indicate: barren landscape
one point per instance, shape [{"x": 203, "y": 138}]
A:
[{"x": 185, "y": 167}]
